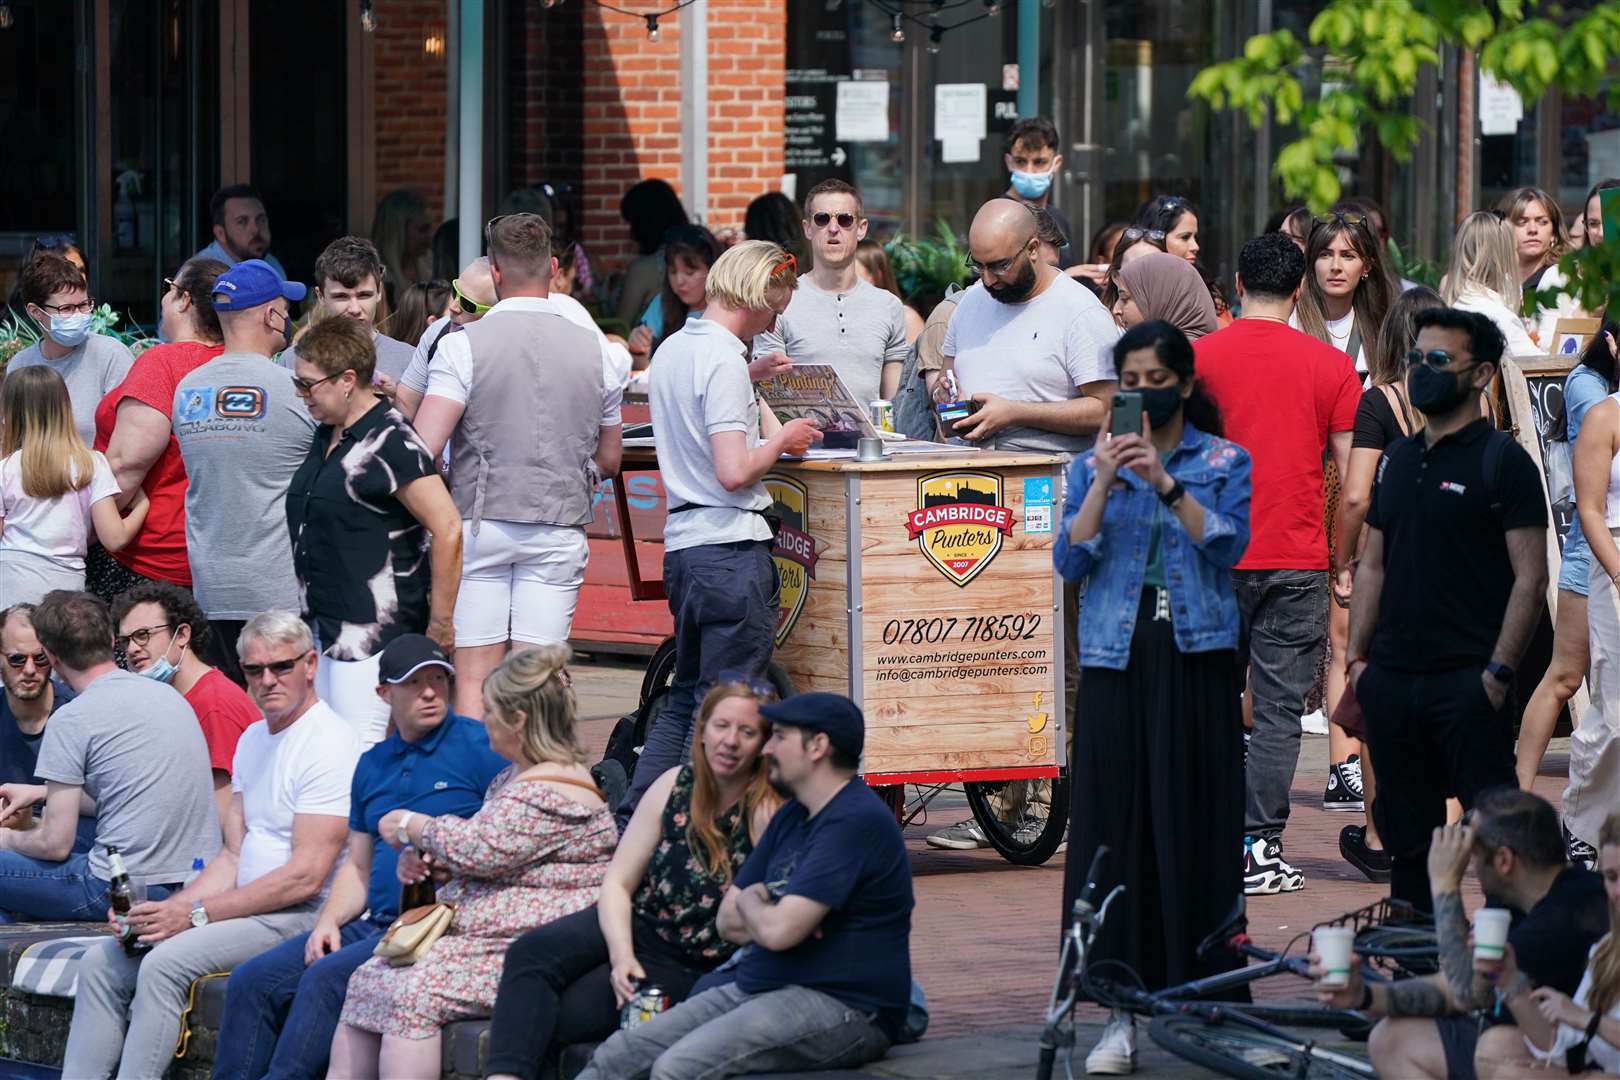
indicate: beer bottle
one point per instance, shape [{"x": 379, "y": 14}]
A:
[
  {"x": 417, "y": 894},
  {"x": 121, "y": 897}
]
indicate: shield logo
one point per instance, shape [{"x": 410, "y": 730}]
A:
[
  {"x": 959, "y": 521},
  {"x": 795, "y": 550}
]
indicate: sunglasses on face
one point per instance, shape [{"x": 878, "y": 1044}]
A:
[
  {"x": 820, "y": 219},
  {"x": 1438, "y": 359},
  {"x": 998, "y": 268},
  {"x": 278, "y": 668},
  {"x": 305, "y": 387},
  {"x": 468, "y": 304},
  {"x": 18, "y": 660},
  {"x": 141, "y": 636}
]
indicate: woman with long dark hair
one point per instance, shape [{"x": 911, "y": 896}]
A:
[
  {"x": 689, "y": 251},
  {"x": 1177, "y": 219},
  {"x": 650, "y": 208},
  {"x": 1348, "y": 286},
  {"x": 1155, "y": 521}
]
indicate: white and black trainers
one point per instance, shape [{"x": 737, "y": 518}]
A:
[
  {"x": 1265, "y": 871},
  {"x": 1344, "y": 791},
  {"x": 1581, "y": 854},
  {"x": 1115, "y": 1052}
]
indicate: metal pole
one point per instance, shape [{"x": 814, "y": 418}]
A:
[
  {"x": 470, "y": 91},
  {"x": 695, "y": 108},
  {"x": 1029, "y": 57}
]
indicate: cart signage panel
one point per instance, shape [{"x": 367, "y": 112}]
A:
[
  {"x": 960, "y": 521},
  {"x": 795, "y": 550}
]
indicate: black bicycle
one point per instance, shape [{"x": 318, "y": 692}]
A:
[{"x": 1245, "y": 1039}]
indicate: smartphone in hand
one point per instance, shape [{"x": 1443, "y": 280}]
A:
[{"x": 1127, "y": 418}]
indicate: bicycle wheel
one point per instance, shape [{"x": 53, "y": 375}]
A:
[
  {"x": 1024, "y": 820},
  {"x": 1232, "y": 1050},
  {"x": 1305, "y": 1015}
]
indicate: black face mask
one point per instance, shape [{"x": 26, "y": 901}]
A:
[
  {"x": 1436, "y": 393},
  {"x": 286, "y": 330},
  {"x": 1018, "y": 289},
  {"x": 1161, "y": 403}
]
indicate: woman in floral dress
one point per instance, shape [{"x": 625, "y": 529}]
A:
[
  {"x": 536, "y": 852},
  {"x": 655, "y": 924}
]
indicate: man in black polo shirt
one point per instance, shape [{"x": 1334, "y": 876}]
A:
[{"x": 1450, "y": 585}]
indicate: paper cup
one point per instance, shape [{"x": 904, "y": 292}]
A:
[
  {"x": 1490, "y": 932},
  {"x": 1335, "y": 947}
]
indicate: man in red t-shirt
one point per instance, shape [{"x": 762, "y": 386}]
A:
[
  {"x": 160, "y": 632},
  {"x": 1286, "y": 398}
]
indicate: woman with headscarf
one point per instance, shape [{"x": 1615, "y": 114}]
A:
[{"x": 1165, "y": 287}]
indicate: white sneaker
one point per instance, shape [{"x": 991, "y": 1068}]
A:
[
  {"x": 1315, "y": 723},
  {"x": 963, "y": 836},
  {"x": 1115, "y": 1052}
]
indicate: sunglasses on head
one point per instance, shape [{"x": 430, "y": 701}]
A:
[
  {"x": 18, "y": 660},
  {"x": 278, "y": 668},
  {"x": 821, "y": 219},
  {"x": 1137, "y": 232},
  {"x": 468, "y": 304},
  {"x": 788, "y": 262},
  {"x": 1439, "y": 359},
  {"x": 1342, "y": 217},
  {"x": 755, "y": 686},
  {"x": 52, "y": 241}
]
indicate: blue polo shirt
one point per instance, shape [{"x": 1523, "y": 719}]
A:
[
  {"x": 445, "y": 772},
  {"x": 19, "y": 752}
]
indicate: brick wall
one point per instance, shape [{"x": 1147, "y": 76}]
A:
[
  {"x": 411, "y": 99},
  {"x": 747, "y": 61}
]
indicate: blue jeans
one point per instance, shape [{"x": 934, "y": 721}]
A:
[
  {"x": 36, "y": 890},
  {"x": 280, "y": 1015},
  {"x": 724, "y": 598}
]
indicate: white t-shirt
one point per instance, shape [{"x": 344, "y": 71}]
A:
[
  {"x": 1042, "y": 349},
  {"x": 699, "y": 387},
  {"x": 1489, "y": 304},
  {"x": 306, "y": 768},
  {"x": 56, "y": 529},
  {"x": 450, "y": 374}
]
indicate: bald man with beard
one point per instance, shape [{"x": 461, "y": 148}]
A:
[{"x": 472, "y": 294}]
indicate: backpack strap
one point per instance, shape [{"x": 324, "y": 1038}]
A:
[{"x": 1398, "y": 406}]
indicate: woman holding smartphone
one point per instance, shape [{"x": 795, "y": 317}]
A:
[{"x": 1155, "y": 517}]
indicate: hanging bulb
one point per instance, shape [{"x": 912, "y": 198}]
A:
[
  {"x": 898, "y": 34},
  {"x": 992, "y": 7},
  {"x": 368, "y": 18},
  {"x": 652, "y": 29},
  {"x": 8, "y": 18},
  {"x": 935, "y": 36}
]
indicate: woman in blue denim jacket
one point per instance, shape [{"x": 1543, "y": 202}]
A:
[{"x": 1153, "y": 524}]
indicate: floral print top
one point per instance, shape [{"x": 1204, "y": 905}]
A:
[{"x": 678, "y": 895}]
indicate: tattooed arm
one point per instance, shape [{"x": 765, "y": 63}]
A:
[{"x": 1468, "y": 990}]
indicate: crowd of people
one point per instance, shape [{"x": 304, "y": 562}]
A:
[{"x": 284, "y": 604}]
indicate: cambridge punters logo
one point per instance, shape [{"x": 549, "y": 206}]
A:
[
  {"x": 959, "y": 521},
  {"x": 795, "y": 550}
]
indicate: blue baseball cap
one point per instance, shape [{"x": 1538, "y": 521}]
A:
[
  {"x": 250, "y": 283},
  {"x": 834, "y": 714}
]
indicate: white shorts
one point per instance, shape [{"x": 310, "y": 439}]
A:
[
  {"x": 519, "y": 582},
  {"x": 350, "y": 688}
]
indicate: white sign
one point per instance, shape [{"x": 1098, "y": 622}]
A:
[
  {"x": 1500, "y": 107},
  {"x": 863, "y": 111},
  {"x": 955, "y": 151},
  {"x": 960, "y": 111}
]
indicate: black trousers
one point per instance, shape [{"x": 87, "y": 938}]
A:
[
  {"x": 1432, "y": 735},
  {"x": 555, "y": 990},
  {"x": 221, "y": 649}
]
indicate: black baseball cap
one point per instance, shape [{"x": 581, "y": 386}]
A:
[
  {"x": 408, "y": 654},
  {"x": 834, "y": 714}
]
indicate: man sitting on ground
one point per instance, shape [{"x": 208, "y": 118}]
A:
[
  {"x": 31, "y": 696},
  {"x": 1430, "y": 1026},
  {"x": 434, "y": 763},
  {"x": 823, "y": 908},
  {"x": 126, "y": 750},
  {"x": 162, "y": 634},
  {"x": 289, "y": 808}
]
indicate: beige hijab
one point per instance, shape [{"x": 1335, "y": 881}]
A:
[{"x": 1169, "y": 287}]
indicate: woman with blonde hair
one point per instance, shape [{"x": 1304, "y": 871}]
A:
[
  {"x": 1539, "y": 236},
  {"x": 535, "y": 852},
  {"x": 654, "y": 925},
  {"x": 54, "y": 491},
  {"x": 1484, "y": 278},
  {"x": 403, "y": 232}
]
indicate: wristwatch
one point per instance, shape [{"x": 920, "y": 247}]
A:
[
  {"x": 401, "y": 831},
  {"x": 1500, "y": 672},
  {"x": 199, "y": 914},
  {"x": 1174, "y": 495}
]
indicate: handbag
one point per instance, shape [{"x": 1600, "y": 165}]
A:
[{"x": 414, "y": 932}]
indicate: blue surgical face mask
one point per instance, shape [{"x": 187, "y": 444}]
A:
[
  {"x": 1031, "y": 185},
  {"x": 69, "y": 331},
  {"x": 161, "y": 669}
]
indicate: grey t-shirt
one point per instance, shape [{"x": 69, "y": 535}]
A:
[
  {"x": 136, "y": 748},
  {"x": 91, "y": 371},
  {"x": 393, "y": 357},
  {"x": 243, "y": 432},
  {"x": 1043, "y": 349},
  {"x": 698, "y": 386},
  {"x": 856, "y": 332}
]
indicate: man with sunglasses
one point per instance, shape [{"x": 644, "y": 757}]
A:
[
  {"x": 472, "y": 292},
  {"x": 31, "y": 696},
  {"x": 1451, "y": 583},
  {"x": 243, "y": 433},
  {"x": 349, "y": 283},
  {"x": 125, "y": 749},
  {"x": 57, "y": 297},
  {"x": 835, "y": 317}
]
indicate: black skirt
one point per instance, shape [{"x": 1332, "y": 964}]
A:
[{"x": 1157, "y": 776}]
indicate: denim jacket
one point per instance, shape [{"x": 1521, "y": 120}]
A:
[{"x": 1203, "y": 609}]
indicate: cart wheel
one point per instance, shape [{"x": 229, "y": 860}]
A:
[{"x": 1024, "y": 820}]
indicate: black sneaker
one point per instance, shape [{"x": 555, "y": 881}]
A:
[
  {"x": 1344, "y": 790},
  {"x": 1265, "y": 871},
  {"x": 1580, "y": 852},
  {"x": 1374, "y": 863}
]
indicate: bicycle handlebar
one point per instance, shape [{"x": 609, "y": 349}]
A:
[{"x": 1084, "y": 901}]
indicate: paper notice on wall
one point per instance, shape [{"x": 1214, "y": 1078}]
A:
[
  {"x": 1500, "y": 107},
  {"x": 862, "y": 114},
  {"x": 959, "y": 150},
  {"x": 960, "y": 112}
]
